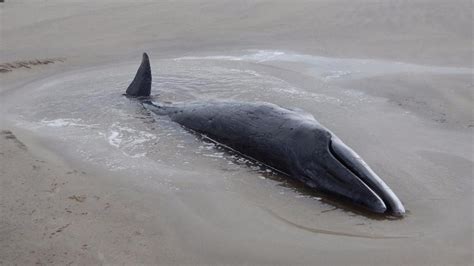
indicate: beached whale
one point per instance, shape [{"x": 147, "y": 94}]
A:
[{"x": 288, "y": 140}]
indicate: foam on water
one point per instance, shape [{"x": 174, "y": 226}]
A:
[
  {"x": 114, "y": 140},
  {"x": 66, "y": 122}
]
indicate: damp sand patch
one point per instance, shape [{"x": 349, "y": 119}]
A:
[
  {"x": 7, "y": 134},
  {"x": 11, "y": 66}
]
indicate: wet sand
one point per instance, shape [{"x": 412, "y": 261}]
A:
[{"x": 192, "y": 203}]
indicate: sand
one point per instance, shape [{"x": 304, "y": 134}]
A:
[{"x": 416, "y": 132}]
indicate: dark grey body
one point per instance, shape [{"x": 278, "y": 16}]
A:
[
  {"x": 263, "y": 131},
  {"x": 288, "y": 140}
]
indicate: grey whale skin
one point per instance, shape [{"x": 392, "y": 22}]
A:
[{"x": 288, "y": 140}]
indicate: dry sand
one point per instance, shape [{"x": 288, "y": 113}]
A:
[{"x": 58, "y": 210}]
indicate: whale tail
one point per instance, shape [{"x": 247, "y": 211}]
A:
[{"x": 141, "y": 84}]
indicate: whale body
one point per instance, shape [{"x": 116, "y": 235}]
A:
[{"x": 288, "y": 140}]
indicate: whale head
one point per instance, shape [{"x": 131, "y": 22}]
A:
[{"x": 326, "y": 163}]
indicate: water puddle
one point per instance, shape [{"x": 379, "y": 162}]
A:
[{"x": 87, "y": 115}]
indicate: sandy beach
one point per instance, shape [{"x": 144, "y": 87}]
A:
[{"x": 88, "y": 177}]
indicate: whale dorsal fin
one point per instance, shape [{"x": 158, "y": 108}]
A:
[{"x": 141, "y": 84}]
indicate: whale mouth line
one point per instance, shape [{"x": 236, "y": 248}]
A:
[
  {"x": 361, "y": 170},
  {"x": 351, "y": 169}
]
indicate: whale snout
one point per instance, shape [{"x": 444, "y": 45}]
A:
[{"x": 376, "y": 195}]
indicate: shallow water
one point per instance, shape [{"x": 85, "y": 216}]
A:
[
  {"x": 88, "y": 106},
  {"x": 88, "y": 118}
]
